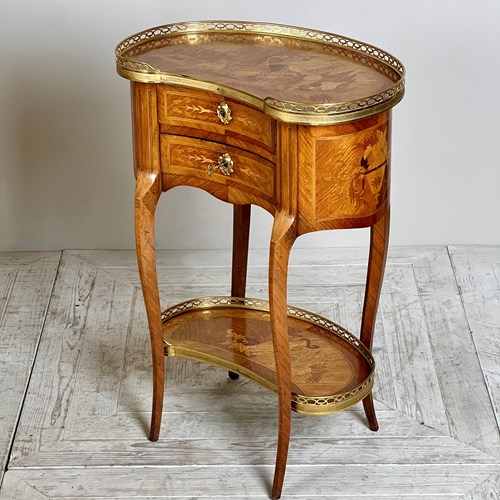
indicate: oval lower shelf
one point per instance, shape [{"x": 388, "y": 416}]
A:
[{"x": 331, "y": 368}]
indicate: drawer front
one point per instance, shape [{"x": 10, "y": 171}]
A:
[
  {"x": 189, "y": 161},
  {"x": 197, "y": 110}
]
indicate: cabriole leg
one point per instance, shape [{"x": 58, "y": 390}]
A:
[
  {"x": 283, "y": 237},
  {"x": 241, "y": 233},
  {"x": 379, "y": 242},
  {"x": 146, "y": 198}
]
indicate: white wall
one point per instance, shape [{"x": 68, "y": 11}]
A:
[{"x": 65, "y": 144}]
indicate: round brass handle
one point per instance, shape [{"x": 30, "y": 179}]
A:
[
  {"x": 224, "y": 164},
  {"x": 224, "y": 113}
]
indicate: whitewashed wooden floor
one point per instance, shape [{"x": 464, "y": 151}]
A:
[{"x": 75, "y": 382}]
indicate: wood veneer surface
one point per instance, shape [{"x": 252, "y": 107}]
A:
[
  {"x": 322, "y": 363},
  {"x": 269, "y": 66}
]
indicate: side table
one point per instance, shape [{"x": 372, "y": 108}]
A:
[{"x": 298, "y": 122}]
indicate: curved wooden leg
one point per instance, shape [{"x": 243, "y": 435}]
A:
[
  {"x": 379, "y": 242},
  {"x": 283, "y": 237},
  {"x": 370, "y": 412},
  {"x": 146, "y": 198},
  {"x": 241, "y": 233}
]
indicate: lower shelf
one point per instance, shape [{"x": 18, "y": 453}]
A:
[{"x": 331, "y": 369}]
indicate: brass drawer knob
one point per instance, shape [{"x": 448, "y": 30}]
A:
[
  {"x": 224, "y": 113},
  {"x": 224, "y": 164}
]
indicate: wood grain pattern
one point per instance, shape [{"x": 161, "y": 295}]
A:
[
  {"x": 379, "y": 244},
  {"x": 283, "y": 236},
  {"x": 56, "y": 367},
  {"x": 408, "y": 306},
  {"x": 342, "y": 181},
  {"x": 183, "y": 111},
  {"x": 344, "y": 174},
  {"x": 477, "y": 271},
  {"x": 489, "y": 489},
  {"x": 239, "y": 264},
  {"x": 223, "y": 451},
  {"x": 147, "y": 192},
  {"x": 241, "y": 238},
  {"x": 341, "y": 482},
  {"x": 88, "y": 404},
  {"x": 185, "y": 161},
  {"x": 265, "y": 65},
  {"x": 462, "y": 383},
  {"x": 322, "y": 363},
  {"x": 26, "y": 281}
]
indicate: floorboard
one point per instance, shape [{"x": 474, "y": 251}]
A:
[
  {"x": 305, "y": 482},
  {"x": 477, "y": 271},
  {"x": 82, "y": 432},
  {"x": 26, "y": 280}
]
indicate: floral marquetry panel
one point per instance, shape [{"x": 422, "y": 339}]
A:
[
  {"x": 346, "y": 176},
  {"x": 296, "y": 69},
  {"x": 331, "y": 369}
]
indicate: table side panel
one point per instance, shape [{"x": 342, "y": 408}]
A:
[
  {"x": 344, "y": 174},
  {"x": 145, "y": 128}
]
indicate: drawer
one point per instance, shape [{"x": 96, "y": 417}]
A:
[
  {"x": 189, "y": 161},
  {"x": 193, "y": 112}
]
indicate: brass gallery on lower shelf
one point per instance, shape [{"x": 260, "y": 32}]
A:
[{"x": 315, "y": 405}]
